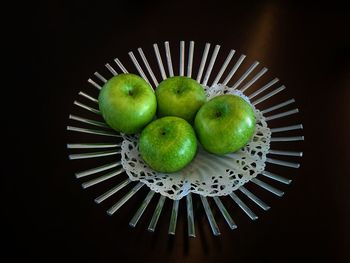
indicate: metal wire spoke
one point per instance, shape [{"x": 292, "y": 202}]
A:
[
  {"x": 173, "y": 218},
  {"x": 287, "y": 128},
  {"x": 234, "y": 69},
  {"x": 276, "y": 177},
  {"x": 156, "y": 214},
  {"x": 243, "y": 206},
  {"x": 92, "y": 131},
  {"x": 122, "y": 201},
  {"x": 111, "y": 69},
  {"x": 283, "y": 163},
  {"x": 102, "y": 178},
  {"x": 120, "y": 65},
  {"x": 245, "y": 75},
  {"x": 190, "y": 216},
  {"x": 254, "y": 198},
  {"x": 93, "y": 83},
  {"x": 263, "y": 88},
  {"x": 83, "y": 94},
  {"x": 141, "y": 209},
  {"x": 254, "y": 79},
  {"x": 286, "y": 153},
  {"x": 144, "y": 59},
  {"x": 168, "y": 57},
  {"x": 203, "y": 61},
  {"x": 138, "y": 67},
  {"x": 211, "y": 64},
  {"x": 211, "y": 219},
  {"x": 280, "y": 115},
  {"x": 93, "y": 154},
  {"x": 112, "y": 191},
  {"x": 100, "y": 77},
  {"x": 287, "y": 139},
  {"x": 224, "y": 213},
  {"x": 97, "y": 169},
  {"x": 83, "y": 106},
  {"x": 159, "y": 60},
  {"x": 92, "y": 145},
  {"x": 89, "y": 121},
  {"x": 182, "y": 58},
  {"x": 278, "y": 106},
  {"x": 190, "y": 59},
  {"x": 267, "y": 187},
  {"x": 269, "y": 95},
  {"x": 223, "y": 67}
]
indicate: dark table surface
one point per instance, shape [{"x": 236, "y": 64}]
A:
[{"x": 47, "y": 214}]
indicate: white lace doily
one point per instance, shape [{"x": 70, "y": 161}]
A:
[{"x": 207, "y": 174}]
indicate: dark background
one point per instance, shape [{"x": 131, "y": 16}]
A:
[{"x": 60, "y": 44}]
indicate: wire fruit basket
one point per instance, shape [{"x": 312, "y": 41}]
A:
[{"x": 102, "y": 137}]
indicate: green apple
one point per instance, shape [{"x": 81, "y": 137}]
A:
[
  {"x": 168, "y": 144},
  {"x": 180, "y": 96},
  {"x": 127, "y": 103},
  {"x": 225, "y": 124}
]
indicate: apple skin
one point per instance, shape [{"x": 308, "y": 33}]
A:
[
  {"x": 225, "y": 124},
  {"x": 168, "y": 144},
  {"x": 180, "y": 96},
  {"x": 127, "y": 103}
]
